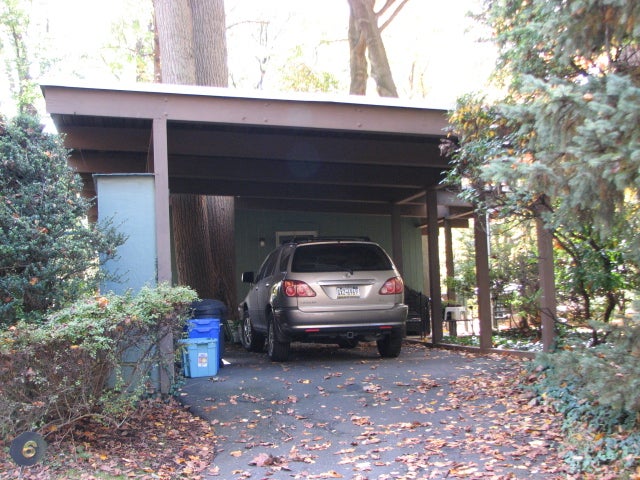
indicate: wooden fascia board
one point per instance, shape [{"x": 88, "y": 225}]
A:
[{"x": 195, "y": 107}]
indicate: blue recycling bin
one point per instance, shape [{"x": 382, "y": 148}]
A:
[
  {"x": 204, "y": 328},
  {"x": 208, "y": 317},
  {"x": 200, "y": 357}
]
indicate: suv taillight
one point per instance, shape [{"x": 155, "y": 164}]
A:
[
  {"x": 296, "y": 288},
  {"x": 392, "y": 286}
]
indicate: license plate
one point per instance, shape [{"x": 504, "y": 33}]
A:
[{"x": 347, "y": 292}]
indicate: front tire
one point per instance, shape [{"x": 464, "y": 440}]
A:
[
  {"x": 277, "y": 351},
  {"x": 391, "y": 345},
  {"x": 251, "y": 340}
]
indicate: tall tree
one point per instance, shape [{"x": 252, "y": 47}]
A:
[
  {"x": 192, "y": 44},
  {"x": 210, "y": 42},
  {"x": 175, "y": 38},
  {"x": 564, "y": 141},
  {"x": 191, "y": 240},
  {"x": 365, "y": 39}
]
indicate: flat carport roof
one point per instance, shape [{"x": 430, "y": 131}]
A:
[{"x": 304, "y": 153}]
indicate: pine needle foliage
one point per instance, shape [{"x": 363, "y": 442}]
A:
[
  {"x": 49, "y": 253},
  {"x": 563, "y": 141}
]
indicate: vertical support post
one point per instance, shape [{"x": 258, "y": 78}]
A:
[
  {"x": 451, "y": 293},
  {"x": 161, "y": 172},
  {"x": 396, "y": 237},
  {"x": 163, "y": 238},
  {"x": 434, "y": 265},
  {"x": 481, "y": 224},
  {"x": 448, "y": 247},
  {"x": 547, "y": 285}
]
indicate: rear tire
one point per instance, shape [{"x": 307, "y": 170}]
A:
[
  {"x": 277, "y": 351},
  {"x": 391, "y": 345},
  {"x": 251, "y": 340}
]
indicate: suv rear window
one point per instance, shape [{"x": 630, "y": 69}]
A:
[{"x": 337, "y": 257}]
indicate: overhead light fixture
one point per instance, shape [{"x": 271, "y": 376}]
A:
[{"x": 261, "y": 242}]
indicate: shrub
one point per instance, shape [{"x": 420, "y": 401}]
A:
[
  {"x": 94, "y": 358},
  {"x": 48, "y": 251},
  {"x": 597, "y": 390}
]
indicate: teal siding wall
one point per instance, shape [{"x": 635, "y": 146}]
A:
[
  {"x": 130, "y": 201},
  {"x": 251, "y": 225},
  {"x": 412, "y": 256}
]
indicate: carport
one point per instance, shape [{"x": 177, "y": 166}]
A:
[{"x": 316, "y": 154}]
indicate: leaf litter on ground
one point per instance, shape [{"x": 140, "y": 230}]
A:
[
  {"x": 487, "y": 413},
  {"x": 161, "y": 440}
]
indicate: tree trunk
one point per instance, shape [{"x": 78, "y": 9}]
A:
[
  {"x": 193, "y": 51},
  {"x": 221, "y": 215},
  {"x": 365, "y": 25},
  {"x": 210, "y": 47},
  {"x": 210, "y": 42},
  {"x": 191, "y": 243},
  {"x": 357, "y": 59},
  {"x": 175, "y": 39},
  {"x": 157, "y": 70}
]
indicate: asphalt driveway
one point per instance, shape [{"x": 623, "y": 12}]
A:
[{"x": 337, "y": 413}]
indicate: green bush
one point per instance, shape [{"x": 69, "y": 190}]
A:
[
  {"x": 48, "y": 251},
  {"x": 94, "y": 358},
  {"x": 597, "y": 390}
]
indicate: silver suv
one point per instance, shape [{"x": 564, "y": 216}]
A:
[{"x": 327, "y": 291}]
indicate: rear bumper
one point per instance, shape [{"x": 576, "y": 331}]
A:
[{"x": 292, "y": 324}]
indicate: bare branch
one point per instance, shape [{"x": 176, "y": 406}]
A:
[
  {"x": 393, "y": 15},
  {"x": 387, "y": 5}
]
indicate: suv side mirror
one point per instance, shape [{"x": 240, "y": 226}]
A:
[{"x": 247, "y": 277}]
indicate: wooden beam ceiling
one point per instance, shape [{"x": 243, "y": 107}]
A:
[{"x": 305, "y": 154}]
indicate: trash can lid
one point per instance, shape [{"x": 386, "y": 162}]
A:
[{"x": 208, "y": 307}]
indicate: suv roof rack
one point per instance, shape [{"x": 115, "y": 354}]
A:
[{"x": 307, "y": 239}]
